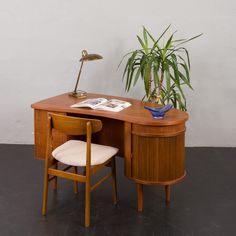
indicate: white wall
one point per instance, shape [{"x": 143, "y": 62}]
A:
[{"x": 41, "y": 42}]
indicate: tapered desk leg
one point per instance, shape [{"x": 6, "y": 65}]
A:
[
  {"x": 167, "y": 193},
  {"x": 140, "y": 197}
]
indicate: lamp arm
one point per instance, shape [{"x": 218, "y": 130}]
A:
[{"x": 76, "y": 85}]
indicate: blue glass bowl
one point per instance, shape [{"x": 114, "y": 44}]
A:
[{"x": 159, "y": 112}]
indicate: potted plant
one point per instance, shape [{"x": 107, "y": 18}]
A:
[{"x": 164, "y": 69}]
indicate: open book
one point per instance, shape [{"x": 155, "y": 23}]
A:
[{"x": 103, "y": 104}]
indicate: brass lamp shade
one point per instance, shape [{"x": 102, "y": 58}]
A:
[
  {"x": 85, "y": 57},
  {"x": 89, "y": 57}
]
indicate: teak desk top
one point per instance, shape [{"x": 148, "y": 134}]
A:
[{"x": 136, "y": 113}]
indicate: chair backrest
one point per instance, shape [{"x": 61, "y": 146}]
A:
[{"x": 70, "y": 125}]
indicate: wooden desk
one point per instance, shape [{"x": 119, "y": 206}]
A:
[{"x": 153, "y": 150}]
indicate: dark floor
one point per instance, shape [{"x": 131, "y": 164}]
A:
[{"x": 203, "y": 204}]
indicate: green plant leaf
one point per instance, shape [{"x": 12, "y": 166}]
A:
[
  {"x": 186, "y": 70},
  {"x": 156, "y": 77},
  {"x": 125, "y": 70},
  {"x": 163, "y": 33},
  {"x": 175, "y": 69},
  {"x": 187, "y": 54},
  {"x": 145, "y": 37},
  {"x": 147, "y": 79},
  {"x": 185, "y": 80},
  {"x": 156, "y": 45},
  {"x": 124, "y": 58},
  {"x": 179, "y": 102},
  {"x": 187, "y": 40},
  {"x": 168, "y": 44},
  {"x": 145, "y": 48},
  {"x": 150, "y": 36},
  {"x": 131, "y": 77},
  {"x": 168, "y": 84},
  {"x": 178, "y": 40},
  {"x": 137, "y": 76}
]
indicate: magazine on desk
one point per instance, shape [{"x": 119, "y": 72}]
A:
[{"x": 114, "y": 105}]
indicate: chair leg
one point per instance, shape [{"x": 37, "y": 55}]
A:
[
  {"x": 75, "y": 182},
  {"x": 114, "y": 182},
  {"x": 45, "y": 194},
  {"x": 87, "y": 202},
  {"x": 55, "y": 179}
]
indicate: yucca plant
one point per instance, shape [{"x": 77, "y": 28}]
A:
[{"x": 164, "y": 68}]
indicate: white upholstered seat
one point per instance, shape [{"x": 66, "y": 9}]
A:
[{"x": 73, "y": 152}]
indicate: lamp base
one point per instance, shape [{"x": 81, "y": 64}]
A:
[{"x": 78, "y": 94}]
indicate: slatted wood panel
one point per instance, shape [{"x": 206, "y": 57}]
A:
[
  {"x": 40, "y": 134},
  {"x": 158, "y": 159},
  {"x": 128, "y": 150}
]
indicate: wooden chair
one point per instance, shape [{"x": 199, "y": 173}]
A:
[{"x": 74, "y": 153}]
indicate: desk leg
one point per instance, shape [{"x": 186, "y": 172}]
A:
[
  {"x": 167, "y": 193},
  {"x": 140, "y": 197}
]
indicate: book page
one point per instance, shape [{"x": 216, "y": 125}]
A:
[
  {"x": 91, "y": 103},
  {"x": 114, "y": 105}
]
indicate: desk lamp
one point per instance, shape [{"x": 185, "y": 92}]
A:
[{"x": 85, "y": 57}]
